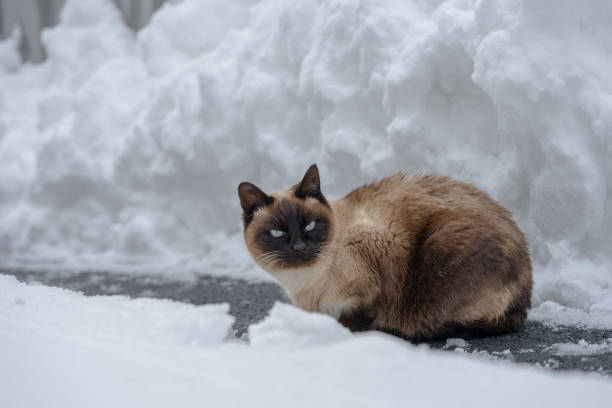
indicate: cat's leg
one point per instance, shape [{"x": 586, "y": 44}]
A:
[
  {"x": 511, "y": 321},
  {"x": 358, "y": 319}
]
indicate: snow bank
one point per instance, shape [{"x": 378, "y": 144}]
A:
[
  {"x": 115, "y": 320},
  {"x": 124, "y": 150},
  {"x": 61, "y": 349}
]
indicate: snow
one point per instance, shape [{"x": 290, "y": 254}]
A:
[
  {"x": 582, "y": 348},
  {"x": 112, "y": 320},
  {"x": 574, "y": 292},
  {"x": 455, "y": 343},
  {"x": 123, "y": 150},
  {"x": 286, "y": 326},
  {"x": 61, "y": 349}
]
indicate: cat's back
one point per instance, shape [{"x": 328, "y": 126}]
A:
[
  {"x": 420, "y": 204},
  {"x": 423, "y": 194}
]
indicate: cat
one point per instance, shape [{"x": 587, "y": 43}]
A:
[{"x": 421, "y": 257}]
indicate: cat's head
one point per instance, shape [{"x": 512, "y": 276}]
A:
[{"x": 288, "y": 228}]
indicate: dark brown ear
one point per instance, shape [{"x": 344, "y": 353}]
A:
[
  {"x": 251, "y": 198},
  {"x": 310, "y": 186}
]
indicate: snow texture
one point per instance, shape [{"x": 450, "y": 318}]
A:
[
  {"x": 289, "y": 327},
  {"x": 582, "y": 348},
  {"x": 123, "y": 150},
  {"x": 61, "y": 349}
]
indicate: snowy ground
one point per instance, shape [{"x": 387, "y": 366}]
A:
[
  {"x": 62, "y": 349},
  {"x": 544, "y": 345}
]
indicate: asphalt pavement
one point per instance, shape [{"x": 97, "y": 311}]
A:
[{"x": 250, "y": 302}]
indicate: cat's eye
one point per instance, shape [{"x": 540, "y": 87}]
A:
[
  {"x": 310, "y": 226},
  {"x": 277, "y": 233}
]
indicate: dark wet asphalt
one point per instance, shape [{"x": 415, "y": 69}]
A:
[{"x": 250, "y": 302}]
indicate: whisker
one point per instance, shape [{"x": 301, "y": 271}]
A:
[
  {"x": 265, "y": 255},
  {"x": 267, "y": 258}
]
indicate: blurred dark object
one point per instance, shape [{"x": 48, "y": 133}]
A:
[{"x": 31, "y": 16}]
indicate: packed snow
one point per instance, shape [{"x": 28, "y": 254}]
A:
[
  {"x": 582, "y": 348},
  {"x": 61, "y": 349},
  {"x": 123, "y": 150}
]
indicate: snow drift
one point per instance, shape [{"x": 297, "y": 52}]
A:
[
  {"x": 61, "y": 349},
  {"x": 125, "y": 149}
]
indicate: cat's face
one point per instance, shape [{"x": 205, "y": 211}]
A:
[{"x": 288, "y": 228}]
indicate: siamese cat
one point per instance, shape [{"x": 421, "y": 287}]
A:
[{"x": 420, "y": 256}]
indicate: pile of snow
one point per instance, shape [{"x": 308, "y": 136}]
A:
[
  {"x": 62, "y": 349},
  {"x": 124, "y": 149}
]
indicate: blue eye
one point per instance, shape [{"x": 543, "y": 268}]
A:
[
  {"x": 277, "y": 233},
  {"x": 310, "y": 226}
]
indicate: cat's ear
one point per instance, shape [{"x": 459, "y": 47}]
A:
[
  {"x": 310, "y": 186},
  {"x": 252, "y": 198}
]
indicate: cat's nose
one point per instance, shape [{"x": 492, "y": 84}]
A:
[{"x": 298, "y": 245}]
